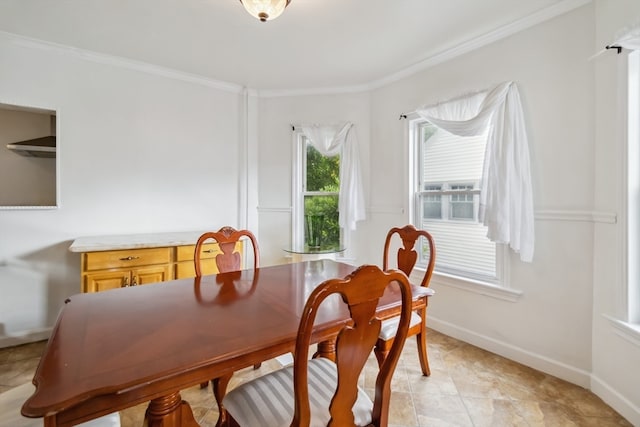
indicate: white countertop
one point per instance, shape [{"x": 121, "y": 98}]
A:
[{"x": 134, "y": 241}]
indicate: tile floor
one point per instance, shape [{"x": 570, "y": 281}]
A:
[{"x": 467, "y": 387}]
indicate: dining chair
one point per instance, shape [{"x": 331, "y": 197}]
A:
[
  {"x": 227, "y": 261},
  {"x": 406, "y": 258},
  {"x": 11, "y": 401},
  {"x": 326, "y": 392}
]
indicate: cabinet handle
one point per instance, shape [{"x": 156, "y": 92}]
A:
[
  {"x": 125, "y": 282},
  {"x": 209, "y": 251},
  {"x": 129, "y": 258},
  {"x": 134, "y": 282}
]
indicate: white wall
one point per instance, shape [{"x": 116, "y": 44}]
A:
[
  {"x": 139, "y": 153},
  {"x": 557, "y": 91},
  {"x": 616, "y": 352}
]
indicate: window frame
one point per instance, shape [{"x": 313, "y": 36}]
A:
[
  {"x": 632, "y": 160},
  {"x": 299, "y": 191},
  {"x": 497, "y": 287}
]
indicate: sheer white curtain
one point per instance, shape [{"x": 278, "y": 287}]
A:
[
  {"x": 506, "y": 195},
  {"x": 331, "y": 140},
  {"x": 628, "y": 38}
]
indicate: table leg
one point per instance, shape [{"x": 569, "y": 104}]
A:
[
  {"x": 327, "y": 349},
  {"x": 219, "y": 386},
  {"x": 169, "y": 411}
]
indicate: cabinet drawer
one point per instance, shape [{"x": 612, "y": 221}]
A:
[
  {"x": 127, "y": 258},
  {"x": 186, "y": 269},
  {"x": 209, "y": 250}
]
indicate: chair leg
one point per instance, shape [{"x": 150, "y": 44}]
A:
[{"x": 422, "y": 352}]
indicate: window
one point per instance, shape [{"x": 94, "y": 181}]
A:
[
  {"x": 315, "y": 197},
  {"x": 446, "y": 189}
]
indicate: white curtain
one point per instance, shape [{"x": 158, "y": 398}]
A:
[
  {"x": 628, "y": 38},
  {"x": 506, "y": 195},
  {"x": 341, "y": 139}
]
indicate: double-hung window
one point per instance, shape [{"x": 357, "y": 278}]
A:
[
  {"x": 446, "y": 175},
  {"x": 315, "y": 197}
]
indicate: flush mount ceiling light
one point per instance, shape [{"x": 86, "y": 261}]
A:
[{"x": 265, "y": 10}]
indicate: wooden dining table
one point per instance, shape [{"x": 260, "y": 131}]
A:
[{"x": 115, "y": 349}]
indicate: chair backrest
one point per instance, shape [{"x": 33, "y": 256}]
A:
[
  {"x": 228, "y": 260},
  {"x": 360, "y": 291},
  {"x": 407, "y": 255}
]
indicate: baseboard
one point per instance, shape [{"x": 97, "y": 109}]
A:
[
  {"x": 517, "y": 354},
  {"x": 25, "y": 337},
  {"x": 621, "y": 404}
]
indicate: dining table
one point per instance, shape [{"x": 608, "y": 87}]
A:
[{"x": 115, "y": 349}]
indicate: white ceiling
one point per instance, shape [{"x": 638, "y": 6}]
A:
[{"x": 314, "y": 44}]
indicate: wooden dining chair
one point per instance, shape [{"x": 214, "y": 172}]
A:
[
  {"x": 324, "y": 392},
  {"x": 406, "y": 258},
  {"x": 227, "y": 261}
]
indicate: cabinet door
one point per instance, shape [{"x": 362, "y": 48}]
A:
[
  {"x": 97, "y": 282},
  {"x": 151, "y": 274}
]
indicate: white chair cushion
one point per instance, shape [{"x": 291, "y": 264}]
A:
[
  {"x": 390, "y": 326},
  {"x": 268, "y": 400},
  {"x": 11, "y": 403}
]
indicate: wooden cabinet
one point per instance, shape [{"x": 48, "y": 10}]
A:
[
  {"x": 105, "y": 270},
  {"x": 111, "y": 268},
  {"x": 105, "y": 280}
]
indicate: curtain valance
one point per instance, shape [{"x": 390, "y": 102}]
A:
[
  {"x": 506, "y": 195},
  {"x": 628, "y": 38},
  {"x": 331, "y": 140}
]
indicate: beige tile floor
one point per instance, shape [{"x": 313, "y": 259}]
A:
[{"x": 467, "y": 387}]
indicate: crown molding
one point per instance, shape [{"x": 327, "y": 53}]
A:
[
  {"x": 444, "y": 55},
  {"x": 482, "y": 40},
  {"x": 430, "y": 61},
  {"x": 120, "y": 62}
]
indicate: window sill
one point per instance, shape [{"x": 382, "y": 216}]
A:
[
  {"x": 478, "y": 287},
  {"x": 626, "y": 330}
]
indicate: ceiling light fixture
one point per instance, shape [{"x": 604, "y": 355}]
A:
[{"x": 265, "y": 10}]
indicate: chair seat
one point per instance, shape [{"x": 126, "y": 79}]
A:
[
  {"x": 268, "y": 400},
  {"x": 11, "y": 402},
  {"x": 390, "y": 326}
]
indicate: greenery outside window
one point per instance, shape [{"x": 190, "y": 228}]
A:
[{"x": 315, "y": 207}]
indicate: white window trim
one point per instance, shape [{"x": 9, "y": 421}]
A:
[
  {"x": 297, "y": 198},
  {"x": 501, "y": 287},
  {"x": 631, "y": 225}
]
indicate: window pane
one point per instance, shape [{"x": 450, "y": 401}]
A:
[
  {"x": 432, "y": 208},
  {"x": 432, "y": 203},
  {"x": 462, "y": 247},
  {"x": 461, "y": 210},
  {"x": 455, "y": 163},
  {"x": 321, "y": 215},
  {"x": 462, "y": 204},
  {"x": 323, "y": 173}
]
